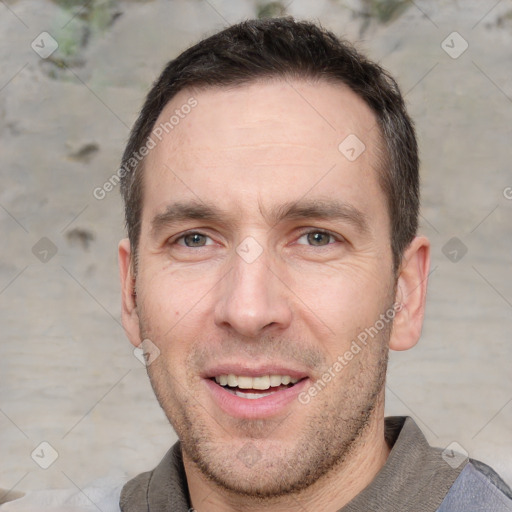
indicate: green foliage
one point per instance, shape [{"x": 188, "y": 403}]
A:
[
  {"x": 70, "y": 4},
  {"x": 270, "y": 9},
  {"x": 384, "y": 11},
  {"x": 69, "y": 42},
  {"x": 80, "y": 21}
]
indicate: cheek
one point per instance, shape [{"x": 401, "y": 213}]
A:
[
  {"x": 341, "y": 304},
  {"x": 170, "y": 303},
  {"x": 344, "y": 290},
  {"x": 165, "y": 292}
]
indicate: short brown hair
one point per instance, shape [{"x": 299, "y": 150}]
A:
[{"x": 284, "y": 47}]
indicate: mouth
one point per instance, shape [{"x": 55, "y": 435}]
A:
[
  {"x": 251, "y": 388},
  {"x": 255, "y": 396}
]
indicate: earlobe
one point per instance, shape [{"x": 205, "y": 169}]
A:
[
  {"x": 411, "y": 294},
  {"x": 129, "y": 312}
]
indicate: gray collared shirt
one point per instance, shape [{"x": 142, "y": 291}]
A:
[{"x": 415, "y": 478}]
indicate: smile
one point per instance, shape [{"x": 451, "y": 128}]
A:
[
  {"x": 255, "y": 387},
  {"x": 254, "y": 397}
]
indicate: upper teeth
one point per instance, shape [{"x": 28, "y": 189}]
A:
[{"x": 264, "y": 382}]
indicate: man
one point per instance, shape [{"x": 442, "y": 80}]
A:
[
  {"x": 271, "y": 198},
  {"x": 272, "y": 261}
]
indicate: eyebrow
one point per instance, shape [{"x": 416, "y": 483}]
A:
[
  {"x": 326, "y": 209},
  {"x": 295, "y": 210}
]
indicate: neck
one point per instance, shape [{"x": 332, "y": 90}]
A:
[{"x": 333, "y": 491}]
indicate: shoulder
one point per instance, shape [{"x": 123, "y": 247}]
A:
[
  {"x": 135, "y": 492},
  {"x": 478, "y": 488}
]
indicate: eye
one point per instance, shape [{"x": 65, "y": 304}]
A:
[
  {"x": 194, "y": 239},
  {"x": 317, "y": 238}
]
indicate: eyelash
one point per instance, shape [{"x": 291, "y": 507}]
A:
[{"x": 337, "y": 238}]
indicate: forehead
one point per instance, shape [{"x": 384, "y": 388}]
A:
[
  {"x": 322, "y": 112},
  {"x": 264, "y": 139}
]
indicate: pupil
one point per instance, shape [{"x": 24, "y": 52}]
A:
[
  {"x": 194, "y": 239},
  {"x": 317, "y": 238}
]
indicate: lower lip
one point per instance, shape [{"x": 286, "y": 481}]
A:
[{"x": 254, "y": 408}]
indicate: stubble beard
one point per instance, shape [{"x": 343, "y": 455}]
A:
[{"x": 330, "y": 437}]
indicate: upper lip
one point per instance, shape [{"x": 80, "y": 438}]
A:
[{"x": 250, "y": 370}]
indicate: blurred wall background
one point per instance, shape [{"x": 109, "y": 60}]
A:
[{"x": 73, "y": 75}]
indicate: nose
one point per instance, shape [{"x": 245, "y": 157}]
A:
[{"x": 252, "y": 297}]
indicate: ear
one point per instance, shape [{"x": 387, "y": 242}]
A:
[
  {"x": 411, "y": 293},
  {"x": 129, "y": 313}
]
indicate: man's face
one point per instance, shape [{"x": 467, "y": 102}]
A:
[{"x": 264, "y": 252}]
